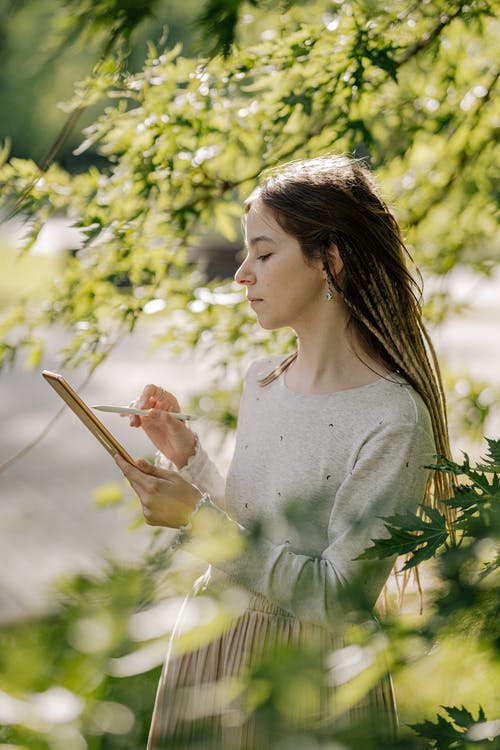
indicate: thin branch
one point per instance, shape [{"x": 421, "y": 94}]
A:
[
  {"x": 463, "y": 156},
  {"x": 61, "y": 139},
  {"x": 427, "y": 39},
  {"x": 410, "y": 53},
  {"x": 50, "y": 424},
  {"x": 38, "y": 439},
  {"x": 63, "y": 134}
]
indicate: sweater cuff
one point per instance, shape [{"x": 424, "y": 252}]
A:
[{"x": 192, "y": 469}]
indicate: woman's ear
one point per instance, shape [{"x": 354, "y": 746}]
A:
[
  {"x": 331, "y": 262},
  {"x": 335, "y": 259}
]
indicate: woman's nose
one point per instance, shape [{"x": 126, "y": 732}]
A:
[{"x": 244, "y": 274}]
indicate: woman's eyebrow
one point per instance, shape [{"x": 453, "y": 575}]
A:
[{"x": 262, "y": 238}]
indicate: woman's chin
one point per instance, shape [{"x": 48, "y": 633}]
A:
[{"x": 268, "y": 324}]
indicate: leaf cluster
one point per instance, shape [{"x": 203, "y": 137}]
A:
[
  {"x": 458, "y": 729},
  {"x": 465, "y": 550},
  {"x": 99, "y": 654},
  {"x": 62, "y": 660},
  {"x": 185, "y": 139},
  {"x": 475, "y": 501}
]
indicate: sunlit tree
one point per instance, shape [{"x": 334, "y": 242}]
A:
[{"x": 410, "y": 87}]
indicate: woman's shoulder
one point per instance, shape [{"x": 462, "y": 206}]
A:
[
  {"x": 387, "y": 401},
  {"x": 400, "y": 403}
]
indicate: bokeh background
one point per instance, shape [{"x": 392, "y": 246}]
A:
[{"x": 78, "y": 564}]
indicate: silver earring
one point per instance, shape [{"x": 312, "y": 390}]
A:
[{"x": 329, "y": 295}]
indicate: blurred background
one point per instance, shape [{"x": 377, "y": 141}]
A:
[{"x": 71, "y": 537}]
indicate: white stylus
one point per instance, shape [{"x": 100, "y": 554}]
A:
[{"x": 141, "y": 412}]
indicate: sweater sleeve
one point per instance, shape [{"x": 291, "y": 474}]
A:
[
  {"x": 388, "y": 476},
  {"x": 201, "y": 471}
]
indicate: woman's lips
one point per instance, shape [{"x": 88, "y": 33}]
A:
[{"x": 254, "y": 300}]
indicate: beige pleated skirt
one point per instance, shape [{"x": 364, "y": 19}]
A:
[{"x": 201, "y": 703}]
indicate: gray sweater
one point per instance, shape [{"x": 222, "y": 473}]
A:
[{"x": 316, "y": 473}]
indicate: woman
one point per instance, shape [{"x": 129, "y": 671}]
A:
[{"x": 331, "y": 439}]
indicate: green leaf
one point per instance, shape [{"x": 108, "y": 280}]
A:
[
  {"x": 217, "y": 23},
  {"x": 35, "y": 355},
  {"x": 450, "y": 731},
  {"x": 462, "y": 716},
  {"x": 441, "y": 732},
  {"x": 410, "y": 534},
  {"x": 107, "y": 494},
  {"x": 492, "y": 460}
]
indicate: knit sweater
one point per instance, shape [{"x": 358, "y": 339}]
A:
[{"x": 317, "y": 474}]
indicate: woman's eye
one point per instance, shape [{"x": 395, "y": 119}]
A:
[{"x": 264, "y": 257}]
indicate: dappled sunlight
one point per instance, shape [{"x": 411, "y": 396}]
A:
[
  {"x": 137, "y": 662},
  {"x": 39, "y": 711},
  {"x": 108, "y": 245}
]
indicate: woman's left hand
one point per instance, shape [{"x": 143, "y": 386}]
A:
[{"x": 166, "y": 498}]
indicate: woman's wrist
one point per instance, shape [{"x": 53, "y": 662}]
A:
[{"x": 181, "y": 460}]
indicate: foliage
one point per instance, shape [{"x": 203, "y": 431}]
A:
[
  {"x": 458, "y": 730},
  {"x": 464, "y": 604},
  {"x": 186, "y": 138},
  {"x": 46, "y": 47},
  {"x": 470, "y": 402},
  {"x": 410, "y": 534},
  {"x": 476, "y": 504},
  {"x": 217, "y": 23},
  {"x": 467, "y": 549},
  {"x": 120, "y": 17},
  {"x": 56, "y": 684},
  {"x": 85, "y": 674},
  {"x": 410, "y": 87}
]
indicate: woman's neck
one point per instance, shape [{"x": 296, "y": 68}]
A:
[{"x": 331, "y": 359}]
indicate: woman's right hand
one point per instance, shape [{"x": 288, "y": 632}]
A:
[{"x": 170, "y": 435}]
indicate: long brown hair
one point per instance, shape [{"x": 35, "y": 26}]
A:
[{"x": 333, "y": 201}]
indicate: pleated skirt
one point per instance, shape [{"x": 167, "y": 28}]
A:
[{"x": 201, "y": 705}]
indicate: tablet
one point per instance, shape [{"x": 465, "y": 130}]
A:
[{"x": 84, "y": 413}]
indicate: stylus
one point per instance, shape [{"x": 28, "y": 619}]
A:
[{"x": 140, "y": 412}]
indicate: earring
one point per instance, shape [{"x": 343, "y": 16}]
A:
[{"x": 329, "y": 295}]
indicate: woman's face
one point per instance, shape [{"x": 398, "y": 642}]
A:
[{"x": 281, "y": 287}]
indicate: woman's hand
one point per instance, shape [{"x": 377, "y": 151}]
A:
[
  {"x": 166, "y": 498},
  {"x": 170, "y": 435}
]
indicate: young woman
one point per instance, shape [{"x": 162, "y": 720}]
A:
[{"x": 331, "y": 438}]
